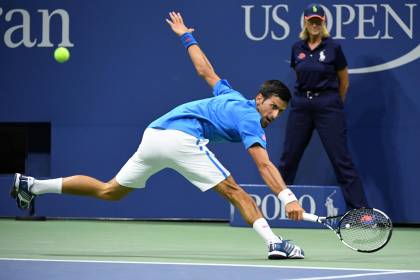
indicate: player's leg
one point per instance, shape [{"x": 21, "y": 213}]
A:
[
  {"x": 249, "y": 210},
  {"x": 25, "y": 188},
  {"x": 133, "y": 174},
  {"x": 277, "y": 248},
  {"x": 89, "y": 186},
  {"x": 332, "y": 128},
  {"x": 198, "y": 164},
  {"x": 241, "y": 200}
]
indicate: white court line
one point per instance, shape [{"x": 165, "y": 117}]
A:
[
  {"x": 349, "y": 275},
  {"x": 210, "y": 264}
]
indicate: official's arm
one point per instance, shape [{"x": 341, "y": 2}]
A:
[{"x": 343, "y": 78}]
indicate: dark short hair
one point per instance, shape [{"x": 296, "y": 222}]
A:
[{"x": 275, "y": 88}]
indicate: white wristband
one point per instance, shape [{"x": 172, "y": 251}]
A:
[{"x": 286, "y": 196}]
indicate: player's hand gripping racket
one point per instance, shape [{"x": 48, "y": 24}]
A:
[{"x": 364, "y": 230}]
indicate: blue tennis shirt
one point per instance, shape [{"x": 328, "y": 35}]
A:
[{"x": 226, "y": 117}]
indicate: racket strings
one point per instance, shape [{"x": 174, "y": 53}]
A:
[
  {"x": 365, "y": 229},
  {"x": 332, "y": 222}
]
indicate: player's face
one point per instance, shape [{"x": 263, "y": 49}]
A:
[{"x": 270, "y": 108}]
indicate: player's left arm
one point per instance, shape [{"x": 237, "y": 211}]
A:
[
  {"x": 201, "y": 64},
  {"x": 343, "y": 79},
  {"x": 273, "y": 179}
]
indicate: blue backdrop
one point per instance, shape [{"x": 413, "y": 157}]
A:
[{"x": 127, "y": 68}]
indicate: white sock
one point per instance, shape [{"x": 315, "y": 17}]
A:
[
  {"x": 47, "y": 186},
  {"x": 261, "y": 226}
]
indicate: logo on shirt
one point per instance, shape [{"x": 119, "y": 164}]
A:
[
  {"x": 322, "y": 56},
  {"x": 264, "y": 138},
  {"x": 302, "y": 56}
]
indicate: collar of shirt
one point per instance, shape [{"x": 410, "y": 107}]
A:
[
  {"x": 253, "y": 103},
  {"x": 304, "y": 44}
]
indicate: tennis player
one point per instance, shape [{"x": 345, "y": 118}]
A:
[{"x": 178, "y": 140}]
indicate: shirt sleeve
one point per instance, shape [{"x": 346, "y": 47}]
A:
[
  {"x": 222, "y": 87},
  {"x": 252, "y": 133},
  {"x": 340, "y": 59}
]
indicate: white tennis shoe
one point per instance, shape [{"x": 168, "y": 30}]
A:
[
  {"x": 285, "y": 249},
  {"x": 21, "y": 190}
]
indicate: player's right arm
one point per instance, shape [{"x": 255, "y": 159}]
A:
[
  {"x": 201, "y": 63},
  {"x": 273, "y": 179}
]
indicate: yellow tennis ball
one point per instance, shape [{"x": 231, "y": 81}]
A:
[{"x": 61, "y": 54}]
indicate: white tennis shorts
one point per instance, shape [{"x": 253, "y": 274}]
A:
[{"x": 174, "y": 149}]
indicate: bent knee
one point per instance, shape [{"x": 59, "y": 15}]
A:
[
  {"x": 114, "y": 193},
  {"x": 230, "y": 189}
]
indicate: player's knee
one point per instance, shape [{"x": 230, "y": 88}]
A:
[
  {"x": 113, "y": 197},
  {"x": 111, "y": 193},
  {"x": 233, "y": 191},
  {"x": 239, "y": 196}
]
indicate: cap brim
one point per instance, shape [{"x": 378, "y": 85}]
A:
[{"x": 315, "y": 16}]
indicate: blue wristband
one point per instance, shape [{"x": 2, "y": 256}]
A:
[{"x": 188, "y": 40}]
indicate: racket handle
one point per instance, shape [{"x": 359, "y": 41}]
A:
[{"x": 310, "y": 217}]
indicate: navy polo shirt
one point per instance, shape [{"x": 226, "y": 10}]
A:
[{"x": 316, "y": 69}]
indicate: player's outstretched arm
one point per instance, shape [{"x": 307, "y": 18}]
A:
[
  {"x": 201, "y": 63},
  {"x": 273, "y": 179}
]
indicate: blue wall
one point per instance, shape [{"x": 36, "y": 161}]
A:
[{"x": 127, "y": 68}]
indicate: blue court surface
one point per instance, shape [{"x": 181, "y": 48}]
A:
[{"x": 24, "y": 269}]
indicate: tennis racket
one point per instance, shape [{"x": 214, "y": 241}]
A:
[{"x": 364, "y": 230}]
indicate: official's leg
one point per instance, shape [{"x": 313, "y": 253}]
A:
[
  {"x": 331, "y": 125},
  {"x": 299, "y": 130}
]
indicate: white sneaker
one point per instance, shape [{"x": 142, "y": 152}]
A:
[
  {"x": 285, "y": 249},
  {"x": 21, "y": 190}
]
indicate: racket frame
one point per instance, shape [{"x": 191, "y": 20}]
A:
[{"x": 322, "y": 220}]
